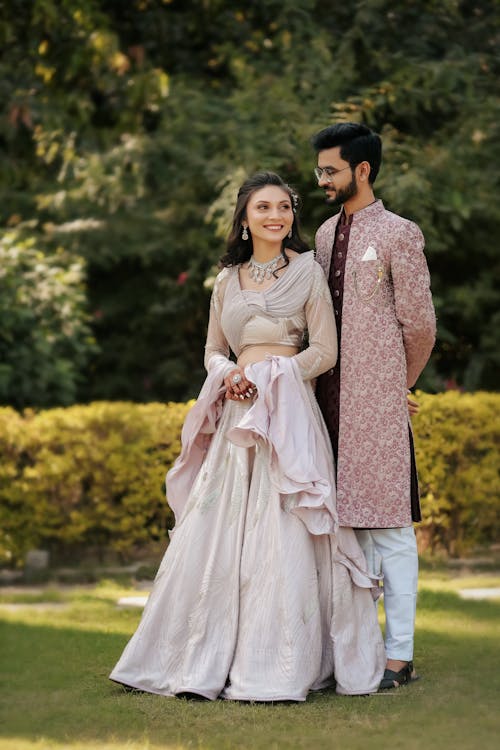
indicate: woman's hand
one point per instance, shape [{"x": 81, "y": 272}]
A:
[{"x": 237, "y": 386}]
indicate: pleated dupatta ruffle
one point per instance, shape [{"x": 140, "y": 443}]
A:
[{"x": 280, "y": 416}]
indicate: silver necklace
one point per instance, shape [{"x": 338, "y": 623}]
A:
[{"x": 259, "y": 272}]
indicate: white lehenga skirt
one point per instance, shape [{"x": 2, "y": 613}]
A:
[{"x": 243, "y": 603}]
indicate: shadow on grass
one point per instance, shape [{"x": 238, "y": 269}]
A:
[
  {"x": 58, "y": 689},
  {"x": 56, "y": 682}
]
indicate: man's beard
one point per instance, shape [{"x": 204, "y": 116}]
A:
[{"x": 344, "y": 194}]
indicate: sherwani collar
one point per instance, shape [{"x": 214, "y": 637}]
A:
[
  {"x": 364, "y": 213},
  {"x": 368, "y": 211}
]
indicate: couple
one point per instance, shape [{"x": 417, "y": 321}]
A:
[{"x": 266, "y": 591}]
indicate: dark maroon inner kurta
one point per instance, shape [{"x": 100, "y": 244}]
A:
[{"x": 328, "y": 387}]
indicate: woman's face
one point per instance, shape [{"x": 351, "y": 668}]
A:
[{"x": 269, "y": 214}]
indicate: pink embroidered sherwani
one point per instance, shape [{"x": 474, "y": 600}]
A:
[{"x": 388, "y": 331}]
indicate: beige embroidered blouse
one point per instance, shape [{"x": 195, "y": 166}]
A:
[{"x": 298, "y": 301}]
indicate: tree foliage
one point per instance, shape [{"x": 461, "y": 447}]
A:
[
  {"x": 124, "y": 127},
  {"x": 45, "y": 341}
]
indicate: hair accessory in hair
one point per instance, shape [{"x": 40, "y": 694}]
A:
[{"x": 295, "y": 199}]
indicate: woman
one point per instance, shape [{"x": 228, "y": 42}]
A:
[{"x": 260, "y": 595}]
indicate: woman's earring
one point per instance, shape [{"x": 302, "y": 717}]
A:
[
  {"x": 244, "y": 234},
  {"x": 290, "y": 233}
]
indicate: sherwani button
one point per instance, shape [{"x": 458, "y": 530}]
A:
[
  {"x": 341, "y": 236},
  {"x": 337, "y": 273},
  {"x": 336, "y": 293},
  {"x": 339, "y": 254}
]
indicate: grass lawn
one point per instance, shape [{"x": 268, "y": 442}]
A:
[{"x": 54, "y": 662}]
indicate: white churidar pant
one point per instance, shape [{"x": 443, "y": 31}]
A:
[{"x": 393, "y": 553}]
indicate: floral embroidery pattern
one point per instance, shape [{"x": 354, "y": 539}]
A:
[{"x": 386, "y": 342}]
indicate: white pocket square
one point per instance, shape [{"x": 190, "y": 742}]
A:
[{"x": 370, "y": 254}]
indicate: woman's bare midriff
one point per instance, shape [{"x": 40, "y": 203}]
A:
[{"x": 258, "y": 352}]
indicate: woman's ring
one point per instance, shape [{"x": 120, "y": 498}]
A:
[{"x": 236, "y": 378}]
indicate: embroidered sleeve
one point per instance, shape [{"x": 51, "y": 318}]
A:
[
  {"x": 321, "y": 354},
  {"x": 217, "y": 347},
  {"x": 413, "y": 301}
]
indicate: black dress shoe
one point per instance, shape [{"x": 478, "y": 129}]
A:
[{"x": 392, "y": 679}]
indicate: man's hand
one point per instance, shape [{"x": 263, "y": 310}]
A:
[{"x": 413, "y": 406}]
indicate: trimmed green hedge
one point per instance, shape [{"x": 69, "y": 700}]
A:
[
  {"x": 457, "y": 437},
  {"x": 86, "y": 477},
  {"x": 92, "y": 477}
]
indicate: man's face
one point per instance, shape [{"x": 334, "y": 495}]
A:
[{"x": 337, "y": 179}]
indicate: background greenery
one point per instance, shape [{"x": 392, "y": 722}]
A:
[
  {"x": 88, "y": 481},
  {"x": 126, "y": 126}
]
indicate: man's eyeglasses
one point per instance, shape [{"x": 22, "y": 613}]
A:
[{"x": 328, "y": 173}]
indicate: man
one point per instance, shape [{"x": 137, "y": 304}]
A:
[{"x": 379, "y": 281}]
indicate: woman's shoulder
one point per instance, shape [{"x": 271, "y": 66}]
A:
[
  {"x": 307, "y": 262},
  {"x": 222, "y": 279},
  {"x": 301, "y": 259},
  {"x": 224, "y": 274},
  {"x": 319, "y": 285},
  {"x": 317, "y": 268}
]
